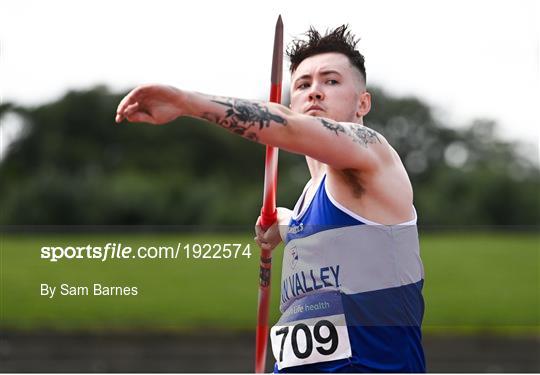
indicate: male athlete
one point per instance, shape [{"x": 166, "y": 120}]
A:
[{"x": 351, "y": 288}]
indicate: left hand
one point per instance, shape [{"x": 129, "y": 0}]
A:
[{"x": 267, "y": 239}]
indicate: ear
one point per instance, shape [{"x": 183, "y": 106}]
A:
[{"x": 364, "y": 104}]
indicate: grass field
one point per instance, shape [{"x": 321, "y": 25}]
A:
[{"x": 474, "y": 282}]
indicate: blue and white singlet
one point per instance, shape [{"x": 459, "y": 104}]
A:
[{"x": 351, "y": 293}]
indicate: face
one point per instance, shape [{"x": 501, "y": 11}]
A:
[{"x": 327, "y": 85}]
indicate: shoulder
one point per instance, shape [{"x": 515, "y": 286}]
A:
[{"x": 385, "y": 167}]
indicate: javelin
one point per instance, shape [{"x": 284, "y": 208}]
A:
[{"x": 268, "y": 211}]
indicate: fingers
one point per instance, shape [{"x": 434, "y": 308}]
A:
[
  {"x": 126, "y": 109},
  {"x": 264, "y": 245},
  {"x": 267, "y": 239},
  {"x": 131, "y": 109},
  {"x": 140, "y": 117},
  {"x": 133, "y": 113},
  {"x": 259, "y": 236},
  {"x": 129, "y": 100},
  {"x": 259, "y": 231},
  {"x": 122, "y": 107}
]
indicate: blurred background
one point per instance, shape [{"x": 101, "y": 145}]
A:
[{"x": 455, "y": 86}]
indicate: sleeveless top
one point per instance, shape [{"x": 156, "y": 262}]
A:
[{"x": 372, "y": 271}]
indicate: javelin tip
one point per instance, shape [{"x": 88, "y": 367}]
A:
[{"x": 277, "y": 59}]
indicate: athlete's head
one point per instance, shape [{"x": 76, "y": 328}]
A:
[{"x": 328, "y": 76}]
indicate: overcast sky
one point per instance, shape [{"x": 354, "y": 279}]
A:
[{"x": 468, "y": 59}]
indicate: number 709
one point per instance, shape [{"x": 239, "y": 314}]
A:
[{"x": 319, "y": 338}]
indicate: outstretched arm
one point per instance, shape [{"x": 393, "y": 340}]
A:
[{"x": 340, "y": 145}]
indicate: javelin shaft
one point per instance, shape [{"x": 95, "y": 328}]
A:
[{"x": 268, "y": 211}]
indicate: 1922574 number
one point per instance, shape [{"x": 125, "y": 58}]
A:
[{"x": 217, "y": 251}]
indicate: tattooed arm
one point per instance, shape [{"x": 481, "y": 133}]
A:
[{"x": 340, "y": 145}]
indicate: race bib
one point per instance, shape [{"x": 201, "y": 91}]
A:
[{"x": 312, "y": 329}]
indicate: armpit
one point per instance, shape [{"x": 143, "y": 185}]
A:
[{"x": 354, "y": 181}]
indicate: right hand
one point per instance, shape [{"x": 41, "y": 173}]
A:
[{"x": 154, "y": 104}]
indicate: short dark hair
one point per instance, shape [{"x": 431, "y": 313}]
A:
[{"x": 338, "y": 40}]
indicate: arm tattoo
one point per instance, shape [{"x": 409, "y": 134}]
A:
[
  {"x": 359, "y": 134},
  {"x": 242, "y": 115},
  {"x": 333, "y": 126}
]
